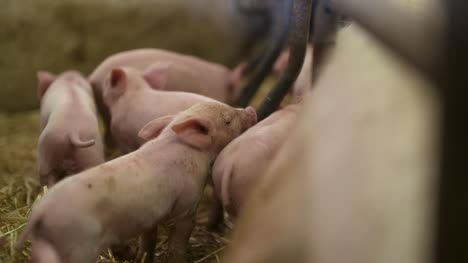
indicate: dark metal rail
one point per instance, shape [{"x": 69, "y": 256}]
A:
[
  {"x": 280, "y": 29},
  {"x": 299, "y": 35}
]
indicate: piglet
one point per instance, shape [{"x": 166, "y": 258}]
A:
[
  {"x": 240, "y": 164},
  {"x": 172, "y": 71},
  {"x": 176, "y": 72},
  {"x": 161, "y": 181},
  {"x": 133, "y": 103},
  {"x": 70, "y": 141}
]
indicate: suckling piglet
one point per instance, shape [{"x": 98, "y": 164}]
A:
[
  {"x": 240, "y": 164},
  {"x": 161, "y": 181},
  {"x": 70, "y": 141},
  {"x": 133, "y": 103}
]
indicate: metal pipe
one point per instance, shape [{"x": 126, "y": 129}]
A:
[
  {"x": 451, "y": 237},
  {"x": 298, "y": 42},
  {"x": 281, "y": 20}
]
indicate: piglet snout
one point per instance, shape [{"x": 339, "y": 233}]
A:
[{"x": 251, "y": 118}]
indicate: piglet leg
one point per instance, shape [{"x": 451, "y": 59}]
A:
[
  {"x": 44, "y": 252},
  {"x": 216, "y": 216},
  {"x": 47, "y": 177},
  {"x": 179, "y": 239},
  {"x": 52, "y": 179},
  {"x": 43, "y": 178},
  {"x": 147, "y": 245},
  {"x": 44, "y": 169}
]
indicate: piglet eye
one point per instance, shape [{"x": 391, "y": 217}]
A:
[
  {"x": 228, "y": 123},
  {"x": 203, "y": 129}
]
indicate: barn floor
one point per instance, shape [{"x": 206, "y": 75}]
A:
[{"x": 19, "y": 189}]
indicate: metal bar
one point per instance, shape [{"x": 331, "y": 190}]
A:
[
  {"x": 281, "y": 22},
  {"x": 451, "y": 238},
  {"x": 298, "y": 42}
]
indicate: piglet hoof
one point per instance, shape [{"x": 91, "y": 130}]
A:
[
  {"x": 144, "y": 257},
  {"x": 215, "y": 217},
  {"x": 215, "y": 226},
  {"x": 45, "y": 179},
  {"x": 123, "y": 252},
  {"x": 214, "y": 222}
]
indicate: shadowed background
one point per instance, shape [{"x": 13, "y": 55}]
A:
[{"x": 78, "y": 34}]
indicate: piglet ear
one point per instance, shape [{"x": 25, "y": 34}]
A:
[
  {"x": 153, "y": 128},
  {"x": 118, "y": 79},
  {"x": 115, "y": 83},
  {"x": 281, "y": 63},
  {"x": 236, "y": 74},
  {"x": 195, "y": 131},
  {"x": 234, "y": 79},
  {"x": 157, "y": 74},
  {"x": 44, "y": 80}
]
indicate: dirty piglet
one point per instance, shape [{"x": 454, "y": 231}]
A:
[
  {"x": 240, "y": 164},
  {"x": 161, "y": 181},
  {"x": 69, "y": 142}
]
